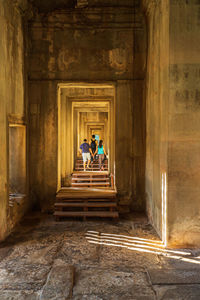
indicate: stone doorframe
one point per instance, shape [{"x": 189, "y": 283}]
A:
[{"x": 65, "y": 125}]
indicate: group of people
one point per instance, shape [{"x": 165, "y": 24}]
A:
[{"x": 89, "y": 152}]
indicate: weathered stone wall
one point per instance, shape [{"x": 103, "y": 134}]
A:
[
  {"x": 173, "y": 132},
  {"x": 12, "y": 105},
  {"x": 156, "y": 109},
  {"x": 93, "y": 45},
  {"x": 184, "y": 123}
]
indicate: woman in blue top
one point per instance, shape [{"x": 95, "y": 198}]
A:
[{"x": 101, "y": 153}]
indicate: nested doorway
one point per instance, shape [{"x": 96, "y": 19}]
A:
[{"x": 83, "y": 110}]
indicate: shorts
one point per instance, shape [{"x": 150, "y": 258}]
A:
[{"x": 86, "y": 156}]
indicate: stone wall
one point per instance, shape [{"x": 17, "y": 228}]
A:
[
  {"x": 173, "y": 134},
  {"x": 157, "y": 13},
  {"x": 184, "y": 123},
  {"x": 12, "y": 104},
  {"x": 98, "y": 44}
]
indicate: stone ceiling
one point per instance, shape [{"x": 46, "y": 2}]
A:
[
  {"x": 50, "y": 5},
  {"x": 45, "y": 6}
]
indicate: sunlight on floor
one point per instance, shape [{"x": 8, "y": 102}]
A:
[{"x": 139, "y": 244}]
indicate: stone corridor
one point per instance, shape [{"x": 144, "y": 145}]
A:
[{"x": 94, "y": 260}]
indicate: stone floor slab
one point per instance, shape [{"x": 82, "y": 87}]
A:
[
  {"x": 18, "y": 295},
  {"x": 104, "y": 281},
  {"x": 110, "y": 256},
  {"x": 16, "y": 276},
  {"x": 77, "y": 251},
  {"x": 174, "y": 276},
  {"x": 33, "y": 261},
  {"x": 181, "y": 292},
  {"x": 137, "y": 296},
  {"x": 59, "y": 283}
]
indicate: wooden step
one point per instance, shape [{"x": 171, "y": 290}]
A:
[
  {"x": 94, "y": 164},
  {"x": 96, "y": 160},
  {"x": 84, "y": 204},
  {"x": 86, "y": 193},
  {"x": 89, "y": 197},
  {"x": 90, "y": 169},
  {"x": 89, "y": 179},
  {"x": 90, "y": 175},
  {"x": 90, "y": 184},
  {"x": 89, "y": 172},
  {"x": 79, "y": 200},
  {"x": 85, "y": 196},
  {"x": 103, "y": 214}
]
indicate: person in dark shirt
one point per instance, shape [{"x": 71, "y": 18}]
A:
[
  {"x": 93, "y": 145},
  {"x": 86, "y": 150}
]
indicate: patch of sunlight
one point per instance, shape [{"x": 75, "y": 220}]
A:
[
  {"x": 139, "y": 244},
  {"x": 126, "y": 237}
]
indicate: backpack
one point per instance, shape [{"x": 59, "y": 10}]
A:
[{"x": 93, "y": 144}]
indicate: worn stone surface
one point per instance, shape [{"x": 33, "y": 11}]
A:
[
  {"x": 19, "y": 295},
  {"x": 172, "y": 98},
  {"x": 12, "y": 108},
  {"x": 98, "y": 44},
  {"x": 50, "y": 260},
  {"x": 184, "y": 133},
  {"x": 183, "y": 292},
  {"x": 110, "y": 281},
  {"x": 156, "y": 109},
  {"x": 174, "y": 276},
  {"x": 59, "y": 283}
]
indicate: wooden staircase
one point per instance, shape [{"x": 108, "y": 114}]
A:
[
  {"x": 91, "y": 179},
  {"x": 91, "y": 194},
  {"x": 93, "y": 166}
]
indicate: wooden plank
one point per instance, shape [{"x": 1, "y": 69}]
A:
[
  {"x": 90, "y": 179},
  {"x": 90, "y": 169},
  {"x": 90, "y": 184},
  {"x": 99, "y": 192},
  {"x": 80, "y": 159},
  {"x": 86, "y": 195},
  {"x": 83, "y": 204},
  {"x": 100, "y": 173},
  {"x": 91, "y": 166},
  {"x": 71, "y": 190},
  {"x": 100, "y": 200},
  {"x": 103, "y": 214},
  {"x": 87, "y": 192},
  {"x": 87, "y": 174}
]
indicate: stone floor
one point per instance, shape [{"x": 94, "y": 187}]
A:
[{"x": 94, "y": 260}]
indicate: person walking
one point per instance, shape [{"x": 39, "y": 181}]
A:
[
  {"x": 93, "y": 145},
  {"x": 101, "y": 154},
  {"x": 86, "y": 150}
]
